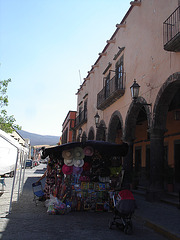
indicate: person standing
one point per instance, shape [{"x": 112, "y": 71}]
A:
[{"x": 51, "y": 180}]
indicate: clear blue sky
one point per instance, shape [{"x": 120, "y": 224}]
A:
[{"x": 44, "y": 44}]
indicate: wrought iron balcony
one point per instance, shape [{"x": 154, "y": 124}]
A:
[
  {"x": 81, "y": 118},
  {"x": 171, "y": 32},
  {"x": 112, "y": 91}
]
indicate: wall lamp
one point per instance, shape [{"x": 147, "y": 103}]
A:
[
  {"x": 82, "y": 137},
  {"x": 96, "y": 119},
  {"x": 79, "y": 132},
  {"x": 135, "y": 93}
]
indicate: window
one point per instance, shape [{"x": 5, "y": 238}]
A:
[
  {"x": 80, "y": 114},
  {"x": 119, "y": 73},
  {"x": 107, "y": 86},
  {"x": 85, "y": 109}
]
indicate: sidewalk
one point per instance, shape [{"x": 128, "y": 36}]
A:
[{"x": 161, "y": 217}]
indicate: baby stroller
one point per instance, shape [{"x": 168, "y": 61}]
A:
[{"x": 124, "y": 207}]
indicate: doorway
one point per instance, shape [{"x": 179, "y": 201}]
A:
[{"x": 177, "y": 164}]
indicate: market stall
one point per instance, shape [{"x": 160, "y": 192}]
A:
[{"x": 87, "y": 172}]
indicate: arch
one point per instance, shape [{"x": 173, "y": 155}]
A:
[
  {"x": 101, "y": 131},
  {"x": 163, "y": 100},
  {"x": 115, "y": 124},
  {"x": 91, "y": 134},
  {"x": 130, "y": 123}
]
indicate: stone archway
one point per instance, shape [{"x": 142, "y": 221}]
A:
[
  {"x": 139, "y": 111},
  {"x": 163, "y": 100},
  {"x": 91, "y": 134},
  {"x": 115, "y": 128},
  {"x": 131, "y": 118}
]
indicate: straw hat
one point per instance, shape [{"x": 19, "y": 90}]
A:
[
  {"x": 68, "y": 162},
  {"x": 67, "y": 169},
  {"x": 88, "y": 151},
  {"x": 78, "y": 162},
  {"x": 78, "y": 153},
  {"x": 67, "y": 154}
]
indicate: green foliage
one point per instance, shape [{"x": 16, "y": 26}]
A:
[{"x": 7, "y": 123}]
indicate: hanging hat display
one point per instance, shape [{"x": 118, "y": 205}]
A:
[
  {"x": 77, "y": 170},
  {"x": 67, "y": 169},
  {"x": 88, "y": 151},
  {"x": 68, "y": 162},
  {"x": 78, "y": 153},
  {"x": 78, "y": 162},
  {"x": 67, "y": 154}
]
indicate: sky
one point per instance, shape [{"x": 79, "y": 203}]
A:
[{"x": 46, "y": 48}]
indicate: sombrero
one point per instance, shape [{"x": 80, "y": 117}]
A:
[
  {"x": 88, "y": 151},
  {"x": 67, "y": 154},
  {"x": 67, "y": 169},
  {"x": 78, "y": 162},
  {"x": 68, "y": 162},
  {"x": 78, "y": 153}
]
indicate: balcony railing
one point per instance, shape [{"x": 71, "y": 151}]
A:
[
  {"x": 81, "y": 118},
  {"x": 171, "y": 32},
  {"x": 112, "y": 91}
]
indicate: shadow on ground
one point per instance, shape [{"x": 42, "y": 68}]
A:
[{"x": 28, "y": 221}]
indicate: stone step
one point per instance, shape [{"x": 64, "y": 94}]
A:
[{"x": 172, "y": 198}]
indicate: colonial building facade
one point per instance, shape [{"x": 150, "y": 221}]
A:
[
  {"x": 68, "y": 132},
  {"x": 145, "y": 50}
]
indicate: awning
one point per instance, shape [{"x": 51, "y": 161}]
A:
[{"x": 110, "y": 149}]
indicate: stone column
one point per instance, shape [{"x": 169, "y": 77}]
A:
[
  {"x": 128, "y": 164},
  {"x": 156, "y": 164}
]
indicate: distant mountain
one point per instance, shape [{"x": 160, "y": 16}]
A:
[{"x": 36, "y": 139}]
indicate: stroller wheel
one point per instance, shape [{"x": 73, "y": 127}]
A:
[
  {"x": 110, "y": 224},
  {"x": 120, "y": 226},
  {"x": 128, "y": 229}
]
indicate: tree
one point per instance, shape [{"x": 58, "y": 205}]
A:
[{"x": 7, "y": 123}]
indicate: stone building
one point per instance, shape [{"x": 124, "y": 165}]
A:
[{"x": 144, "y": 50}]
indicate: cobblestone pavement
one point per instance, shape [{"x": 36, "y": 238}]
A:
[{"x": 28, "y": 221}]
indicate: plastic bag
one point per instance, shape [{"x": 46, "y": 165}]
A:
[{"x": 51, "y": 210}]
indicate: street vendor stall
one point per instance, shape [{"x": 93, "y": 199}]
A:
[{"x": 87, "y": 172}]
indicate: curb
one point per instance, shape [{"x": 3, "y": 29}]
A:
[{"x": 159, "y": 229}]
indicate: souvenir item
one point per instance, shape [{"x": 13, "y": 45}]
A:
[
  {"x": 68, "y": 162},
  {"x": 67, "y": 169},
  {"x": 115, "y": 171},
  {"x": 77, "y": 170},
  {"x": 67, "y": 154},
  {"x": 78, "y": 153},
  {"x": 86, "y": 166},
  {"x": 88, "y": 151},
  {"x": 78, "y": 162}
]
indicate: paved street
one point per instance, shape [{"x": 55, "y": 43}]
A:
[{"x": 30, "y": 222}]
